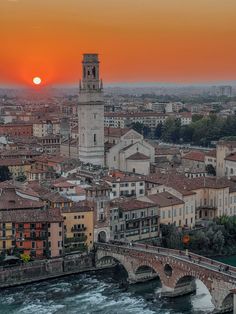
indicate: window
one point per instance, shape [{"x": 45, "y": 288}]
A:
[
  {"x": 95, "y": 139},
  {"x": 174, "y": 212},
  {"x": 141, "y": 191},
  {"x": 33, "y": 245}
]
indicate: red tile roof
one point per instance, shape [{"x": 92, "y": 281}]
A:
[
  {"x": 165, "y": 199},
  {"x": 138, "y": 156},
  {"x": 211, "y": 153},
  {"x": 9, "y": 199},
  {"x": 133, "y": 204},
  {"x": 31, "y": 216},
  {"x": 231, "y": 157},
  {"x": 115, "y": 132},
  {"x": 195, "y": 155}
]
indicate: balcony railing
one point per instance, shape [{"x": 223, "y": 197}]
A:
[
  {"x": 75, "y": 239},
  {"x": 76, "y": 229}
]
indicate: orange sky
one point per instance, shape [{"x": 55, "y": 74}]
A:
[{"x": 138, "y": 40}]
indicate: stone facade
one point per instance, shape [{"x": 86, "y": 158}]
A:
[{"x": 91, "y": 113}]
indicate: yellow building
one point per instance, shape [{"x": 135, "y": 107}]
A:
[
  {"x": 17, "y": 166},
  {"x": 78, "y": 226},
  {"x": 6, "y": 237}
]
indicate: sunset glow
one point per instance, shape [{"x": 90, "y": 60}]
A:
[
  {"x": 137, "y": 40},
  {"x": 37, "y": 80}
]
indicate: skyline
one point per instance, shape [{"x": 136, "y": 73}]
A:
[{"x": 138, "y": 41}]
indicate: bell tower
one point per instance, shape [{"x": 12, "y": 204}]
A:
[{"x": 91, "y": 112}]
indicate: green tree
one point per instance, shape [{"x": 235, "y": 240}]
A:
[
  {"x": 138, "y": 127},
  {"x": 4, "y": 173},
  {"x": 146, "y": 131},
  {"x": 171, "y": 130},
  {"x": 210, "y": 170},
  {"x": 196, "y": 117},
  {"x": 186, "y": 133},
  {"x": 218, "y": 241},
  {"x": 183, "y": 110},
  {"x": 158, "y": 130}
]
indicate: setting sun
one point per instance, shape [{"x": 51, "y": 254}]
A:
[{"x": 37, "y": 80}]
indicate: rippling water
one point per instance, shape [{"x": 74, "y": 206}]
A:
[{"x": 98, "y": 293}]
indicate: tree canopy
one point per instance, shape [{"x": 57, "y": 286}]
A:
[{"x": 202, "y": 131}]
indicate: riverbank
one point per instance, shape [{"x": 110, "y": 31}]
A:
[{"x": 46, "y": 269}]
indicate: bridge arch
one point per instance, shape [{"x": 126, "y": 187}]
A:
[
  {"x": 102, "y": 236},
  {"x": 146, "y": 271},
  {"x": 185, "y": 276},
  {"x": 186, "y": 284},
  {"x": 109, "y": 261},
  {"x": 228, "y": 301}
]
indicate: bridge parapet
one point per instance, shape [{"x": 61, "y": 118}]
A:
[{"x": 176, "y": 271}]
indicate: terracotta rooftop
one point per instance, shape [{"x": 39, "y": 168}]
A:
[
  {"x": 231, "y": 157},
  {"x": 195, "y": 155},
  {"x": 31, "y": 215},
  {"x": 133, "y": 204},
  {"x": 82, "y": 206},
  {"x": 9, "y": 199},
  {"x": 14, "y": 162},
  {"x": 55, "y": 197},
  {"x": 138, "y": 156},
  {"x": 211, "y": 153},
  {"x": 115, "y": 132},
  {"x": 124, "y": 179},
  {"x": 165, "y": 199}
]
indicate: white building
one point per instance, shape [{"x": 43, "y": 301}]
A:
[
  {"x": 91, "y": 113},
  {"x": 126, "y": 185},
  {"x": 131, "y": 154}
]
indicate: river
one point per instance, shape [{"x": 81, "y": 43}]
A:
[{"x": 99, "y": 293}]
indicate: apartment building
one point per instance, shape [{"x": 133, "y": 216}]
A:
[
  {"x": 126, "y": 185},
  {"x": 133, "y": 220}
]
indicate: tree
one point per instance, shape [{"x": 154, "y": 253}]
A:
[
  {"x": 146, "y": 131},
  {"x": 158, "y": 130},
  {"x": 218, "y": 241},
  {"x": 4, "y": 173},
  {"x": 21, "y": 178},
  {"x": 183, "y": 110},
  {"x": 210, "y": 170},
  {"x": 171, "y": 130},
  {"x": 25, "y": 258},
  {"x": 186, "y": 133},
  {"x": 138, "y": 127},
  {"x": 141, "y": 128},
  {"x": 196, "y": 117}
]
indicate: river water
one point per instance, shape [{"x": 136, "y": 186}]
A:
[{"x": 99, "y": 293}]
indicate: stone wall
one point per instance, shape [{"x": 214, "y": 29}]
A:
[{"x": 45, "y": 269}]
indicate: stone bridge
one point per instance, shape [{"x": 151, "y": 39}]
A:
[{"x": 176, "y": 270}]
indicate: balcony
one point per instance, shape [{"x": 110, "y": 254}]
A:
[
  {"x": 76, "y": 229},
  {"x": 75, "y": 239},
  {"x": 206, "y": 207}
]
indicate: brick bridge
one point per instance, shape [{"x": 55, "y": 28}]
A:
[{"x": 176, "y": 271}]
